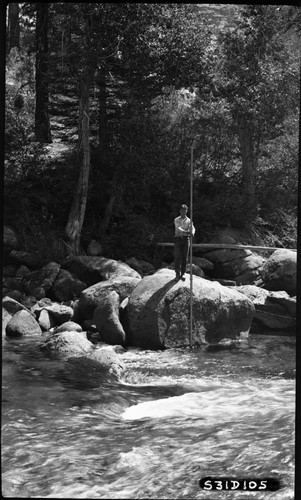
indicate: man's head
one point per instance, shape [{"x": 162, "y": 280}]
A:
[{"x": 183, "y": 210}]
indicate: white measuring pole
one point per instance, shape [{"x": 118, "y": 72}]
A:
[{"x": 190, "y": 238}]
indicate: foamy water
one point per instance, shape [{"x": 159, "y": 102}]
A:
[{"x": 175, "y": 417}]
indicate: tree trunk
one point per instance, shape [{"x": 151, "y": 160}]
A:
[
  {"x": 103, "y": 227},
  {"x": 42, "y": 122},
  {"x": 248, "y": 167},
  {"x": 77, "y": 212},
  {"x": 13, "y": 26},
  {"x": 102, "y": 113},
  {"x": 115, "y": 195}
]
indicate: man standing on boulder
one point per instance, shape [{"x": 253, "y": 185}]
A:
[{"x": 183, "y": 229}]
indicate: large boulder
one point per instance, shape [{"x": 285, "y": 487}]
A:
[
  {"x": 9, "y": 270},
  {"x": 22, "y": 324},
  {"x": 141, "y": 266},
  {"x": 45, "y": 320},
  {"x": 93, "y": 269},
  {"x": 22, "y": 271},
  {"x": 23, "y": 257},
  {"x": 280, "y": 271},
  {"x": 159, "y": 312},
  {"x": 106, "y": 319},
  {"x": 82, "y": 354},
  {"x": 96, "y": 294},
  {"x": 203, "y": 263},
  {"x": 240, "y": 265},
  {"x": 196, "y": 270},
  {"x": 68, "y": 326},
  {"x": 39, "y": 282},
  {"x": 68, "y": 342},
  {"x": 67, "y": 286},
  {"x": 12, "y": 306},
  {"x": 11, "y": 284},
  {"x": 15, "y": 294},
  {"x": 274, "y": 311},
  {"x": 6, "y": 317},
  {"x": 59, "y": 313},
  {"x": 108, "y": 358}
]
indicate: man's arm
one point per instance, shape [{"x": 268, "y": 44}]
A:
[
  {"x": 179, "y": 230},
  {"x": 192, "y": 228}
]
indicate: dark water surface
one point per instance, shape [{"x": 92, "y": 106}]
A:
[{"x": 175, "y": 417}]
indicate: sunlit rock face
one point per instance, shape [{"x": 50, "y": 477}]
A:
[
  {"x": 274, "y": 311},
  {"x": 159, "y": 312},
  {"x": 280, "y": 271}
]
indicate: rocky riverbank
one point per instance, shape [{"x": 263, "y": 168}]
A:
[{"x": 89, "y": 301}]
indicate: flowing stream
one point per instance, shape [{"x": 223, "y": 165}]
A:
[{"x": 175, "y": 417}]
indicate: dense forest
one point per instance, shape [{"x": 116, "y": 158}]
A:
[{"x": 105, "y": 101}]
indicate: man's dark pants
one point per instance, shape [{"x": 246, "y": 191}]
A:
[{"x": 181, "y": 247}]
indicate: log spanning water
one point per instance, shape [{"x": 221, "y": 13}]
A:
[{"x": 213, "y": 246}]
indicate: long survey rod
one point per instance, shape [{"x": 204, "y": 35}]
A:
[{"x": 190, "y": 237}]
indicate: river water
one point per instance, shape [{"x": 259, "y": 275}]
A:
[{"x": 176, "y": 417}]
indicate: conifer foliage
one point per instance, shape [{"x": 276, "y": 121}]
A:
[{"x": 124, "y": 89}]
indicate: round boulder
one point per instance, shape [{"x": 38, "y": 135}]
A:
[
  {"x": 12, "y": 305},
  {"x": 25, "y": 258},
  {"x": 159, "y": 312},
  {"x": 106, "y": 319},
  {"x": 274, "y": 310},
  {"x": 90, "y": 269},
  {"x": 70, "y": 342},
  {"x": 42, "y": 280},
  {"x": 69, "y": 326},
  {"x": 67, "y": 286},
  {"x": 21, "y": 324},
  {"x": 96, "y": 294},
  {"x": 280, "y": 271},
  {"x": 141, "y": 266}
]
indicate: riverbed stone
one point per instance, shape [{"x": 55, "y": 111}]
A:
[
  {"x": 22, "y": 324},
  {"x": 159, "y": 312},
  {"x": 23, "y": 271},
  {"x": 68, "y": 326},
  {"x": 39, "y": 282},
  {"x": 15, "y": 294},
  {"x": 141, "y": 266},
  {"x": 67, "y": 342},
  {"x": 59, "y": 313},
  {"x": 280, "y": 271},
  {"x": 106, "y": 319},
  {"x": 9, "y": 270},
  {"x": 203, "y": 263},
  {"x": 93, "y": 269},
  {"x": 274, "y": 310},
  {"x": 13, "y": 283},
  {"x": 28, "y": 259},
  {"x": 82, "y": 354},
  {"x": 6, "y": 317},
  {"x": 96, "y": 294},
  {"x": 240, "y": 265},
  {"x": 66, "y": 286},
  {"x": 12, "y": 305},
  {"x": 109, "y": 358},
  {"x": 45, "y": 320},
  {"x": 196, "y": 270}
]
